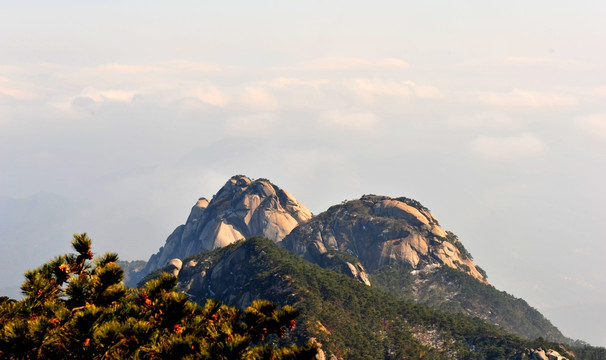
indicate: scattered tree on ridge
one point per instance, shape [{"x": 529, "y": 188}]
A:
[{"x": 77, "y": 308}]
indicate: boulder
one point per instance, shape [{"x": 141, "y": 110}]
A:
[{"x": 174, "y": 266}]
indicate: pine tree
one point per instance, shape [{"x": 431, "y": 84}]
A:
[{"x": 77, "y": 308}]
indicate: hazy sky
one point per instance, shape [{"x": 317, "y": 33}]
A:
[{"x": 491, "y": 114}]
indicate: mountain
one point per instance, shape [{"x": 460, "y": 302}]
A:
[
  {"x": 392, "y": 246},
  {"x": 379, "y": 231},
  {"x": 349, "y": 319},
  {"x": 450, "y": 290},
  {"x": 242, "y": 208},
  {"x": 407, "y": 253},
  {"x": 132, "y": 270}
]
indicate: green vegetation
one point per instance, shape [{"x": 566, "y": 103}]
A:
[
  {"x": 397, "y": 280},
  {"x": 76, "y": 308},
  {"x": 412, "y": 202},
  {"x": 453, "y": 239},
  {"x": 451, "y": 290},
  {"x": 351, "y": 320},
  {"x": 358, "y": 227},
  {"x": 587, "y": 352}
]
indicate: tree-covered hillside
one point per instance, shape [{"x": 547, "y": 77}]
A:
[
  {"x": 349, "y": 319},
  {"x": 454, "y": 291},
  {"x": 406, "y": 252},
  {"x": 76, "y": 308}
]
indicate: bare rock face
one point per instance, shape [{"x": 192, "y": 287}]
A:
[
  {"x": 539, "y": 354},
  {"x": 358, "y": 272},
  {"x": 175, "y": 266},
  {"x": 242, "y": 208},
  {"x": 554, "y": 355},
  {"x": 379, "y": 230}
]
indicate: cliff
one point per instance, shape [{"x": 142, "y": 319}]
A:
[
  {"x": 242, "y": 208},
  {"x": 380, "y": 231}
]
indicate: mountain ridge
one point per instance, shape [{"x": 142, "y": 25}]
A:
[
  {"x": 362, "y": 239},
  {"x": 380, "y": 230},
  {"x": 350, "y": 320}
]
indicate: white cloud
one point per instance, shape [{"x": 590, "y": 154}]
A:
[
  {"x": 599, "y": 91},
  {"x": 594, "y": 124},
  {"x": 258, "y": 98},
  {"x": 192, "y": 66},
  {"x": 124, "y": 68},
  {"x": 510, "y": 147},
  {"x": 368, "y": 89},
  {"x": 486, "y": 120},
  {"x": 375, "y": 88},
  {"x": 109, "y": 95},
  {"x": 166, "y": 82},
  {"x": 18, "y": 94},
  {"x": 16, "y": 89},
  {"x": 349, "y": 63},
  {"x": 562, "y": 64},
  {"x": 173, "y": 66},
  {"x": 518, "y": 97},
  {"x": 73, "y": 105},
  {"x": 255, "y": 124},
  {"x": 337, "y": 63},
  {"x": 283, "y": 82},
  {"x": 392, "y": 63},
  {"x": 361, "y": 121},
  {"x": 427, "y": 92},
  {"x": 210, "y": 94},
  {"x": 526, "y": 60}
]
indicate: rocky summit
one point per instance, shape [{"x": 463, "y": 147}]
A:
[
  {"x": 243, "y": 207},
  {"x": 380, "y": 231},
  {"x": 397, "y": 245}
]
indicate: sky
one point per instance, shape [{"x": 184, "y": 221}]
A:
[{"x": 115, "y": 117}]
